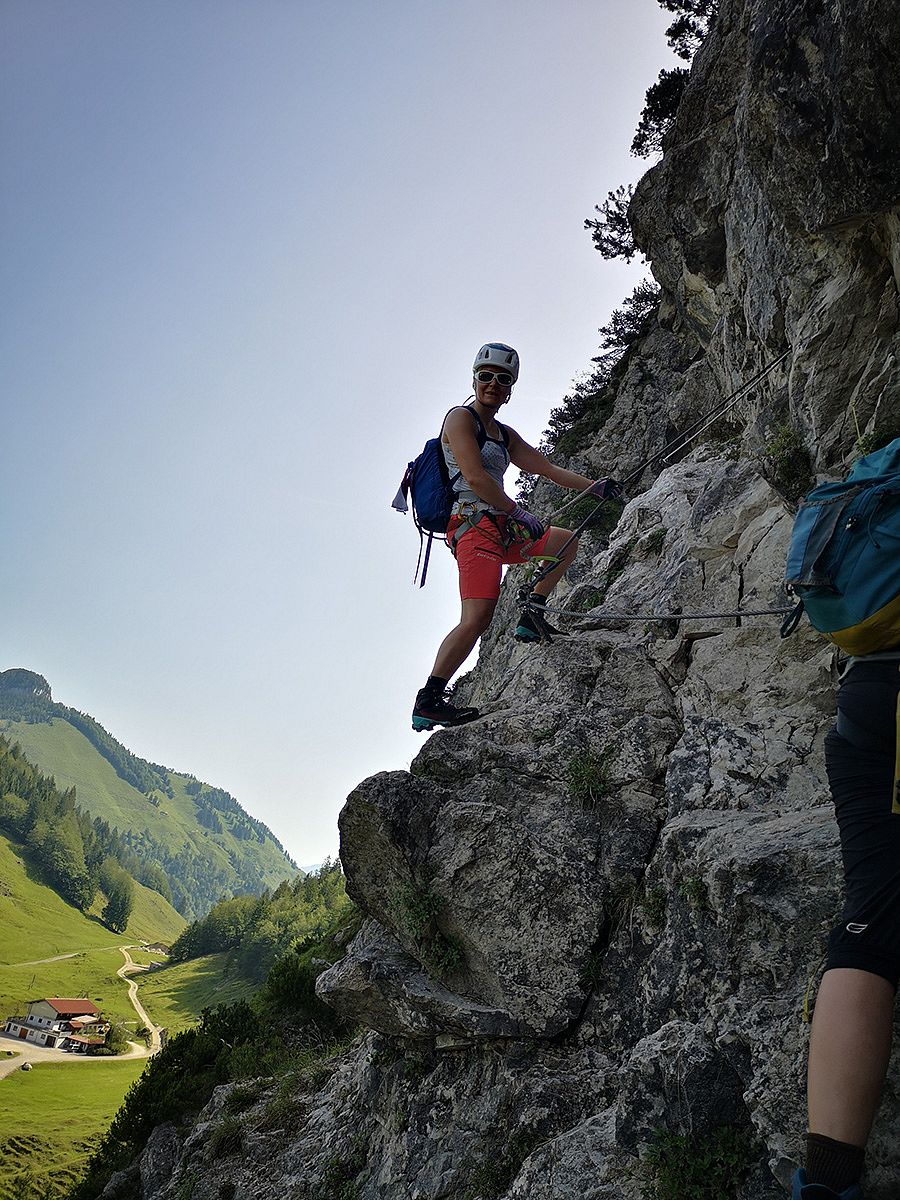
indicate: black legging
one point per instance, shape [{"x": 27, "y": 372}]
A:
[{"x": 861, "y": 755}]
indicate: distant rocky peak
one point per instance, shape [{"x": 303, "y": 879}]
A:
[{"x": 19, "y": 682}]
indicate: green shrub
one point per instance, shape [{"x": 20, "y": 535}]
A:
[
  {"x": 591, "y": 599},
  {"x": 279, "y": 1113},
  {"x": 340, "y": 1173},
  {"x": 588, "y": 776},
  {"x": 604, "y": 515},
  {"x": 242, "y": 1097},
  {"x": 591, "y": 974},
  {"x": 790, "y": 461},
  {"x": 491, "y": 1177},
  {"x": 226, "y": 1138},
  {"x": 880, "y": 436},
  {"x": 442, "y": 955},
  {"x": 654, "y": 903},
  {"x": 418, "y": 909},
  {"x": 621, "y": 900},
  {"x": 619, "y": 561},
  {"x": 653, "y": 542},
  {"x": 116, "y": 1040},
  {"x": 710, "y": 1166},
  {"x": 694, "y": 891}
]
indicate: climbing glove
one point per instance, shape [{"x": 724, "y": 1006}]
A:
[
  {"x": 606, "y": 489},
  {"x": 529, "y": 522}
]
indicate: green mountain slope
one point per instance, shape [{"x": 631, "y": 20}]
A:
[
  {"x": 199, "y": 836},
  {"x": 38, "y": 928},
  {"x": 51, "y": 1120}
]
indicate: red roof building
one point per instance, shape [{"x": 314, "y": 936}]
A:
[{"x": 72, "y": 1008}]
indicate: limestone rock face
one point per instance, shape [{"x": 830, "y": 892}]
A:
[
  {"x": 491, "y": 868},
  {"x": 600, "y": 910},
  {"x": 378, "y": 984},
  {"x": 771, "y": 220}
]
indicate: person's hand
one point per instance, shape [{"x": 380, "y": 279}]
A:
[
  {"x": 606, "y": 489},
  {"x": 521, "y": 516}
]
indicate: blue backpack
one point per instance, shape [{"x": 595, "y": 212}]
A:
[
  {"x": 844, "y": 558},
  {"x": 429, "y": 487}
]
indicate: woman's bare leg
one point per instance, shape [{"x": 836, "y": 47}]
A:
[
  {"x": 849, "y": 1052},
  {"x": 460, "y": 641},
  {"x": 557, "y": 539}
]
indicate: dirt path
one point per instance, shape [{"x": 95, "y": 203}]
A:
[
  {"x": 133, "y": 968},
  {"x": 28, "y": 1052},
  {"x": 56, "y": 958}
]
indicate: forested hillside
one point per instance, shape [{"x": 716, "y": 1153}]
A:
[
  {"x": 191, "y": 842},
  {"x": 76, "y": 855},
  {"x": 252, "y": 930},
  {"x": 283, "y": 1032}
]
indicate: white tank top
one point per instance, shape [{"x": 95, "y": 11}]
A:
[{"x": 494, "y": 456}]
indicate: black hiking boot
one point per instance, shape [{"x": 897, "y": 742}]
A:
[
  {"x": 432, "y": 708},
  {"x": 533, "y": 626}
]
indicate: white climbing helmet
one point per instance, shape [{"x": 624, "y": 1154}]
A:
[{"x": 496, "y": 354}]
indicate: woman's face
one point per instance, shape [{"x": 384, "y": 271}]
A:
[{"x": 492, "y": 393}]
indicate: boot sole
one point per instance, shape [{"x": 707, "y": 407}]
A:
[{"x": 423, "y": 724}]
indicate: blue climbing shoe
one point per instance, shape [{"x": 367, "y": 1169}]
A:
[
  {"x": 432, "y": 708},
  {"x": 801, "y": 1190},
  {"x": 533, "y": 626}
]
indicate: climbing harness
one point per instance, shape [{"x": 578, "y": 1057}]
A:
[{"x": 428, "y": 487}]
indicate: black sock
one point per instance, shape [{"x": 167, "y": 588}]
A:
[
  {"x": 833, "y": 1164},
  {"x": 435, "y": 684},
  {"x": 537, "y": 598}
]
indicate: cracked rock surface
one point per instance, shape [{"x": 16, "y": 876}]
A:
[{"x": 600, "y": 909}]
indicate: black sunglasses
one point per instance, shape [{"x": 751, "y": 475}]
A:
[{"x": 502, "y": 377}]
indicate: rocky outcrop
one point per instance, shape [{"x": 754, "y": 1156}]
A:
[
  {"x": 771, "y": 220},
  {"x": 599, "y": 911}
]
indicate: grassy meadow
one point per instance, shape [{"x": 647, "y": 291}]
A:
[
  {"x": 51, "y": 1117},
  {"x": 37, "y": 924},
  {"x": 176, "y": 995}
]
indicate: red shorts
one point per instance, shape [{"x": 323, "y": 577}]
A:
[{"x": 481, "y": 554}]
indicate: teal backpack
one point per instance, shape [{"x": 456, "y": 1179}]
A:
[{"x": 844, "y": 558}]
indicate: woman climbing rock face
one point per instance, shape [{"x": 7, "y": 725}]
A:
[{"x": 488, "y": 530}]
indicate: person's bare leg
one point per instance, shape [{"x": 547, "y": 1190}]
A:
[
  {"x": 557, "y": 539},
  {"x": 849, "y": 1052},
  {"x": 460, "y": 641}
]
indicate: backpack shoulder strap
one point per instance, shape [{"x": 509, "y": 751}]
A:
[
  {"x": 504, "y": 434},
  {"x": 480, "y": 432}
]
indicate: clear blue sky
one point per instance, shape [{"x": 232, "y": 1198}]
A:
[{"x": 249, "y": 248}]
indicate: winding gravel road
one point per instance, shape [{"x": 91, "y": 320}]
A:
[{"x": 28, "y": 1052}]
